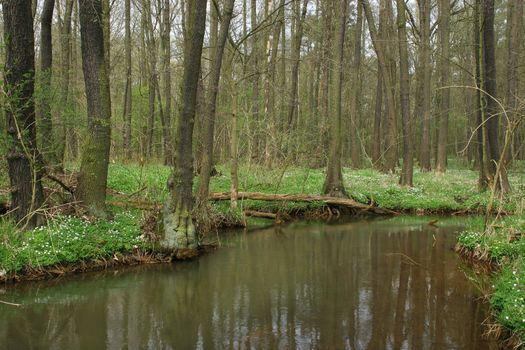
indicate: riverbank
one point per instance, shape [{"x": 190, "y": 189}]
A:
[{"x": 500, "y": 252}]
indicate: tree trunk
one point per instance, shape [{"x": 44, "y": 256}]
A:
[
  {"x": 179, "y": 230},
  {"x": 254, "y": 57},
  {"x": 480, "y": 149},
  {"x": 166, "y": 63},
  {"x": 355, "y": 104},
  {"x": 334, "y": 185},
  {"x": 514, "y": 39},
  {"x": 48, "y": 147},
  {"x": 127, "y": 92},
  {"x": 92, "y": 178},
  {"x": 444, "y": 39},
  {"x": 499, "y": 180},
  {"x": 404, "y": 94},
  {"x": 63, "y": 115},
  {"x": 376, "y": 136},
  {"x": 19, "y": 73},
  {"x": 211, "y": 103},
  {"x": 390, "y": 99},
  {"x": 426, "y": 66},
  {"x": 295, "y": 56}
]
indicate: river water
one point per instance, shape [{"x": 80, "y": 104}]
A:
[{"x": 381, "y": 284}]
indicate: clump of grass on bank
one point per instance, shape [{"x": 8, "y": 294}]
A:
[
  {"x": 67, "y": 240},
  {"x": 508, "y": 300},
  {"x": 503, "y": 245}
]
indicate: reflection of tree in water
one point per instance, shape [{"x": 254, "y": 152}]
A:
[{"x": 358, "y": 285}]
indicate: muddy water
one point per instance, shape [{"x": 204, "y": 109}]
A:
[{"x": 392, "y": 284}]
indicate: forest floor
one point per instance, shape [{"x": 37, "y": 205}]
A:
[{"x": 70, "y": 243}]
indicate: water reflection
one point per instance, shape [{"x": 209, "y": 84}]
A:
[{"x": 360, "y": 285}]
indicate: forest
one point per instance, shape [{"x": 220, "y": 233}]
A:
[{"x": 151, "y": 125}]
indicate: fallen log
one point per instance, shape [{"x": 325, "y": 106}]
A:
[
  {"x": 218, "y": 196},
  {"x": 260, "y": 214},
  {"x": 333, "y": 201}
]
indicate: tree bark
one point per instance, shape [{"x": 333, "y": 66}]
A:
[
  {"x": 179, "y": 230},
  {"x": 390, "y": 99},
  {"x": 48, "y": 147},
  {"x": 166, "y": 63},
  {"x": 295, "y": 59},
  {"x": 92, "y": 178},
  {"x": 127, "y": 113},
  {"x": 211, "y": 103},
  {"x": 499, "y": 180},
  {"x": 19, "y": 73},
  {"x": 444, "y": 38},
  {"x": 334, "y": 185},
  {"x": 514, "y": 38},
  {"x": 426, "y": 66},
  {"x": 376, "y": 134},
  {"x": 63, "y": 114},
  {"x": 355, "y": 104},
  {"x": 404, "y": 94}
]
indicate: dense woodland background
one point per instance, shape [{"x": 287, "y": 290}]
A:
[{"x": 316, "y": 83}]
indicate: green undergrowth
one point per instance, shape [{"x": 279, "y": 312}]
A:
[
  {"x": 68, "y": 240},
  {"x": 503, "y": 243},
  {"x": 454, "y": 191}
]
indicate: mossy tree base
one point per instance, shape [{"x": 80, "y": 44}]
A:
[{"x": 179, "y": 230}]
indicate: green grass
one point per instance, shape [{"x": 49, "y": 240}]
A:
[
  {"x": 68, "y": 240},
  {"x": 502, "y": 245},
  {"x": 454, "y": 191}
]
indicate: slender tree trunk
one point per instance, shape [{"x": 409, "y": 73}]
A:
[
  {"x": 254, "y": 57},
  {"x": 22, "y": 155},
  {"x": 127, "y": 92},
  {"x": 92, "y": 178},
  {"x": 390, "y": 99},
  {"x": 426, "y": 66},
  {"x": 334, "y": 185},
  {"x": 355, "y": 105},
  {"x": 514, "y": 39},
  {"x": 179, "y": 230},
  {"x": 295, "y": 59},
  {"x": 376, "y": 134},
  {"x": 483, "y": 180},
  {"x": 166, "y": 63},
  {"x": 48, "y": 146},
  {"x": 444, "y": 36},
  {"x": 63, "y": 115},
  {"x": 500, "y": 181},
  {"x": 211, "y": 104},
  {"x": 404, "y": 94}
]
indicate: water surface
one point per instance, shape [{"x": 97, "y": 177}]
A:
[{"x": 385, "y": 284}]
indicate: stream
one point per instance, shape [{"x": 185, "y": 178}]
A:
[{"x": 357, "y": 284}]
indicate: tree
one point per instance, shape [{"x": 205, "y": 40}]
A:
[
  {"x": 404, "y": 94},
  {"x": 48, "y": 146},
  {"x": 92, "y": 178},
  {"x": 22, "y": 156},
  {"x": 179, "y": 230},
  {"x": 296, "y": 50},
  {"x": 65, "y": 75},
  {"x": 211, "y": 103},
  {"x": 497, "y": 172},
  {"x": 127, "y": 112},
  {"x": 385, "y": 71},
  {"x": 355, "y": 104},
  {"x": 334, "y": 185},
  {"x": 425, "y": 76},
  {"x": 444, "y": 40}
]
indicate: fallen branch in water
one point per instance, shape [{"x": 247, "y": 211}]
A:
[{"x": 260, "y": 214}]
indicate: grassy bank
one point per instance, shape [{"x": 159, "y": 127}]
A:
[{"x": 502, "y": 248}]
